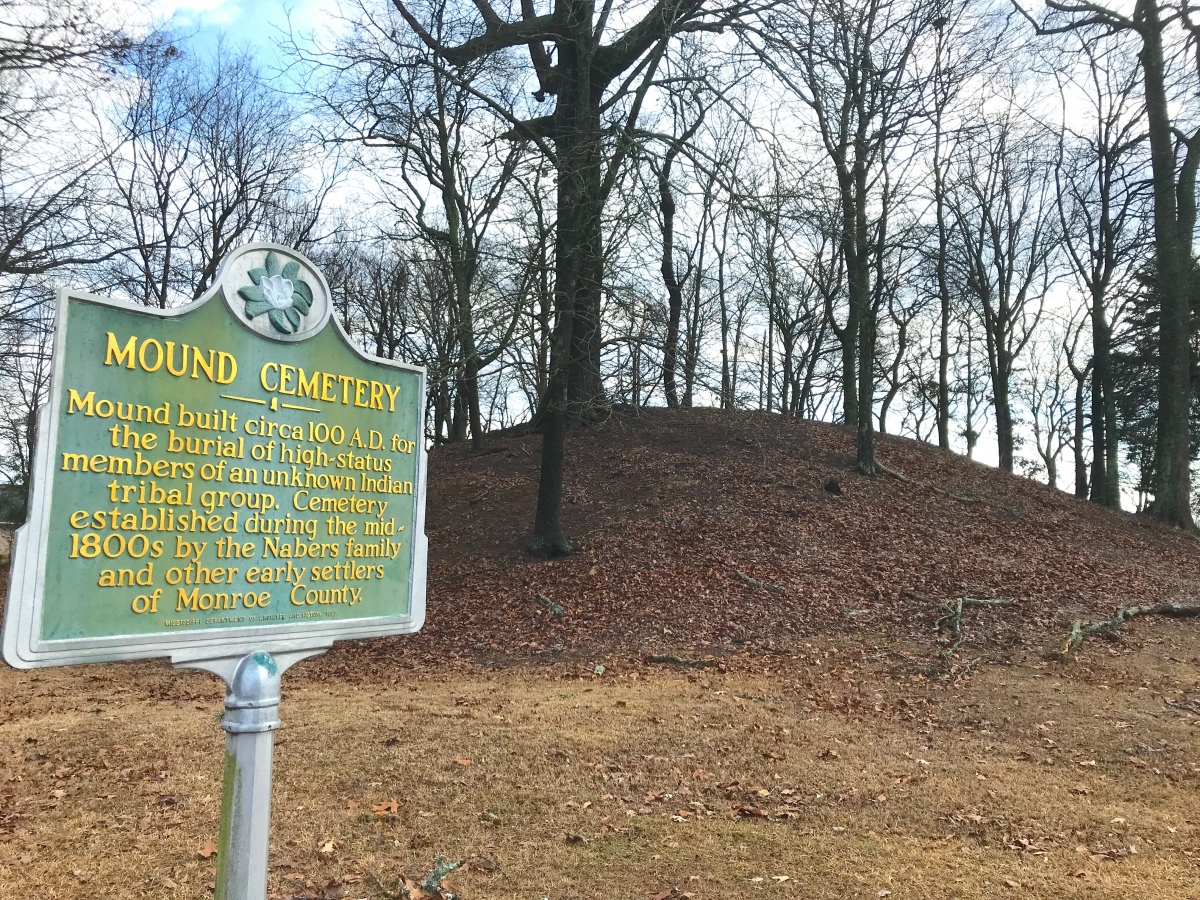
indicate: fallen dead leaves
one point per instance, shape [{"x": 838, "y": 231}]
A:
[{"x": 702, "y": 496}]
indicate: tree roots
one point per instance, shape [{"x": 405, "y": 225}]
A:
[
  {"x": 673, "y": 660},
  {"x": 555, "y": 609},
  {"x": 952, "y": 613},
  {"x": 1080, "y": 631},
  {"x": 754, "y": 582},
  {"x": 900, "y": 476}
]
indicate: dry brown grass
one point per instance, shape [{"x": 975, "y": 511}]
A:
[{"x": 1026, "y": 780}]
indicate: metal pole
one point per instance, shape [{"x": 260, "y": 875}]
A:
[{"x": 251, "y": 718}]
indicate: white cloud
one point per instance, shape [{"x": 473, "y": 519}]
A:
[{"x": 169, "y": 8}]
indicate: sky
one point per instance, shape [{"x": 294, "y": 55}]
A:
[{"x": 257, "y": 23}]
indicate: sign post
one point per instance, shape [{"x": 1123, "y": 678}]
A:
[{"x": 232, "y": 485}]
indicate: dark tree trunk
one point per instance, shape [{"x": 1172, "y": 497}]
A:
[
  {"x": 1172, "y": 252},
  {"x": 848, "y": 337},
  {"x": 574, "y": 375},
  {"x": 670, "y": 280},
  {"x": 943, "y": 285},
  {"x": 1004, "y": 419},
  {"x": 1081, "y": 474},
  {"x": 458, "y": 424},
  {"x": 1106, "y": 485},
  {"x": 865, "y": 452}
]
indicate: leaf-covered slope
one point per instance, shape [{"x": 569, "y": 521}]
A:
[{"x": 670, "y": 506}]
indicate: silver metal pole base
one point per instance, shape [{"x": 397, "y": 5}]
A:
[
  {"x": 252, "y": 693},
  {"x": 251, "y": 718}
]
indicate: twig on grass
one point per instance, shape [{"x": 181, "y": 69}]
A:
[
  {"x": 754, "y": 582},
  {"x": 556, "y": 609},
  {"x": 953, "y": 612},
  {"x": 673, "y": 660},
  {"x": 966, "y": 670},
  {"x": 429, "y": 889},
  {"x": 915, "y": 667},
  {"x": 900, "y": 476},
  {"x": 1190, "y": 706},
  {"x": 433, "y": 881},
  {"x": 1081, "y": 631}
]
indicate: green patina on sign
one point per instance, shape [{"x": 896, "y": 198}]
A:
[{"x": 234, "y": 466}]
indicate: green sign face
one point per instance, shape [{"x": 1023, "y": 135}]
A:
[{"x": 230, "y": 474}]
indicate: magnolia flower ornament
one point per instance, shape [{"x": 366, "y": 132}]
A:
[
  {"x": 277, "y": 291},
  {"x": 280, "y": 293}
]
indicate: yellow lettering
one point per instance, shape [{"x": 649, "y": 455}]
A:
[
  {"x": 85, "y": 404},
  {"x": 199, "y": 362},
  {"x": 262, "y": 376},
  {"x": 226, "y": 368},
  {"x": 307, "y": 388},
  {"x": 113, "y": 351},
  {"x": 75, "y": 462},
  {"x": 171, "y": 355},
  {"x": 158, "y": 361}
]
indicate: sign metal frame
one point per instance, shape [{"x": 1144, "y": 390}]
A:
[
  {"x": 23, "y": 646},
  {"x": 249, "y": 659}
]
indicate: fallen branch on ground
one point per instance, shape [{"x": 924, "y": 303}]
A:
[
  {"x": 1080, "y": 632},
  {"x": 900, "y": 476},
  {"x": 953, "y": 612},
  {"x": 1190, "y": 706},
  {"x": 429, "y": 889},
  {"x": 556, "y": 609},
  {"x": 754, "y": 582},
  {"x": 673, "y": 660}
]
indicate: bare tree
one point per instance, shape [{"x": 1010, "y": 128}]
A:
[
  {"x": 51, "y": 55},
  {"x": 1007, "y": 237},
  {"x": 673, "y": 280},
  {"x": 849, "y": 61},
  {"x": 964, "y": 43},
  {"x": 1046, "y": 391},
  {"x": 208, "y": 157},
  {"x": 425, "y": 139},
  {"x": 1151, "y": 24},
  {"x": 1099, "y": 175},
  {"x": 597, "y": 67}
]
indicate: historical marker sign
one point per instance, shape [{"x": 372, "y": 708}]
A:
[
  {"x": 231, "y": 484},
  {"x": 230, "y": 476}
]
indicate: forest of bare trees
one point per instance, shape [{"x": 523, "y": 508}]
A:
[{"x": 972, "y": 224}]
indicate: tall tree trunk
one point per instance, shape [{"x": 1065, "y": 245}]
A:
[
  {"x": 723, "y": 299},
  {"x": 1004, "y": 419},
  {"x": 865, "y": 451},
  {"x": 574, "y": 380},
  {"x": 943, "y": 285},
  {"x": 1106, "y": 485},
  {"x": 1081, "y": 474},
  {"x": 862, "y": 311},
  {"x": 1172, "y": 252},
  {"x": 848, "y": 337},
  {"x": 468, "y": 384},
  {"x": 691, "y": 354},
  {"x": 458, "y": 424},
  {"x": 671, "y": 281}
]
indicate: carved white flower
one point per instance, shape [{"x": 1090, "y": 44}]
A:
[
  {"x": 277, "y": 291},
  {"x": 280, "y": 292}
]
